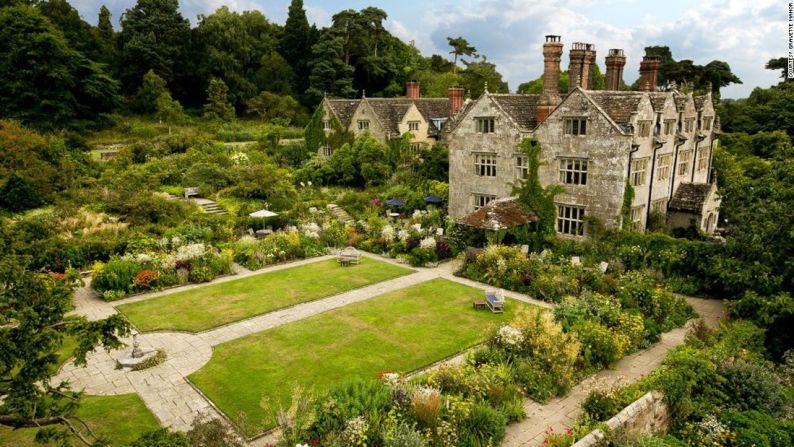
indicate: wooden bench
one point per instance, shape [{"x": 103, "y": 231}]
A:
[
  {"x": 348, "y": 256},
  {"x": 479, "y": 304},
  {"x": 193, "y": 191}
]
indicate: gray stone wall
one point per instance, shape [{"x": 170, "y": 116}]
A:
[
  {"x": 604, "y": 146},
  {"x": 464, "y": 145},
  {"x": 646, "y": 415}
]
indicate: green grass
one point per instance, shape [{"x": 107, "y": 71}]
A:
[
  {"x": 403, "y": 330},
  {"x": 120, "y": 419},
  {"x": 218, "y": 304}
]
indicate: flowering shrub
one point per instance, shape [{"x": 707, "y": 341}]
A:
[
  {"x": 146, "y": 278},
  {"x": 279, "y": 247},
  {"x": 563, "y": 439},
  {"x": 416, "y": 241}
]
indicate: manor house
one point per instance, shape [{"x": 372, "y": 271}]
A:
[
  {"x": 387, "y": 118},
  {"x": 594, "y": 144}
]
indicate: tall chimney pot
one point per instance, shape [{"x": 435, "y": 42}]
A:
[
  {"x": 412, "y": 89},
  {"x": 589, "y": 60},
  {"x": 455, "y": 95},
  {"x": 550, "y": 98},
  {"x": 649, "y": 72},
  {"x": 576, "y": 65},
  {"x": 615, "y": 61}
]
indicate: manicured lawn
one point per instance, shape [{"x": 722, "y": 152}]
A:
[
  {"x": 400, "y": 331},
  {"x": 218, "y": 304},
  {"x": 120, "y": 419}
]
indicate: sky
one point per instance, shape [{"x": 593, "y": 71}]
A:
[{"x": 744, "y": 33}]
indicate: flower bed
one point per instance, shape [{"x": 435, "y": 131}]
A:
[{"x": 177, "y": 263}]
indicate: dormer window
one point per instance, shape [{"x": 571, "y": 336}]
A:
[
  {"x": 644, "y": 128},
  {"x": 363, "y": 124},
  {"x": 575, "y": 126},
  {"x": 486, "y": 124},
  {"x": 689, "y": 124},
  {"x": 413, "y": 126},
  {"x": 706, "y": 123},
  {"x": 669, "y": 126}
]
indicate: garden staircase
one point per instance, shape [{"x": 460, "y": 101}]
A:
[
  {"x": 210, "y": 206},
  {"x": 340, "y": 214}
]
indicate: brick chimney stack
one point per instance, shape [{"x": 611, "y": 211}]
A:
[
  {"x": 455, "y": 100},
  {"x": 412, "y": 89},
  {"x": 589, "y": 60},
  {"x": 550, "y": 98},
  {"x": 649, "y": 71},
  {"x": 576, "y": 65},
  {"x": 615, "y": 62}
]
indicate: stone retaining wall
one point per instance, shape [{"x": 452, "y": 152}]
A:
[{"x": 648, "y": 414}]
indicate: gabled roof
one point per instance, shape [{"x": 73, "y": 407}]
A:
[
  {"x": 700, "y": 102},
  {"x": 500, "y": 214},
  {"x": 520, "y": 108},
  {"x": 680, "y": 102},
  {"x": 343, "y": 109},
  {"x": 657, "y": 100},
  {"x": 619, "y": 106},
  {"x": 690, "y": 197}
]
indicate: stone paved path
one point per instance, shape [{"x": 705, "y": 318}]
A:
[
  {"x": 175, "y": 402},
  {"x": 562, "y": 412}
]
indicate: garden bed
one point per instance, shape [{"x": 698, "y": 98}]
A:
[
  {"x": 403, "y": 331},
  {"x": 207, "y": 307}
]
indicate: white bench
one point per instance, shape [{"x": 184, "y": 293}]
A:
[
  {"x": 193, "y": 191},
  {"x": 495, "y": 301},
  {"x": 348, "y": 256}
]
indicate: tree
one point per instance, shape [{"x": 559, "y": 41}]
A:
[
  {"x": 17, "y": 194},
  {"x": 154, "y": 36},
  {"x": 106, "y": 38},
  {"x": 275, "y": 75},
  {"x": 218, "y": 107},
  {"x": 152, "y": 87},
  {"x": 781, "y": 64},
  {"x": 232, "y": 46},
  {"x": 269, "y": 106},
  {"x": 717, "y": 74},
  {"x": 296, "y": 43},
  {"x": 169, "y": 110},
  {"x": 330, "y": 75},
  {"x": 46, "y": 83},
  {"x": 78, "y": 33},
  {"x": 479, "y": 74},
  {"x": 460, "y": 47},
  {"x": 32, "y": 329}
]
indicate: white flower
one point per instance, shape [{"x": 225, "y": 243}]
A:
[
  {"x": 387, "y": 232},
  {"x": 510, "y": 336},
  {"x": 428, "y": 243},
  {"x": 391, "y": 377},
  {"x": 239, "y": 158},
  {"x": 403, "y": 235},
  {"x": 247, "y": 241},
  {"x": 417, "y": 214},
  {"x": 417, "y": 227},
  {"x": 310, "y": 183},
  {"x": 190, "y": 251},
  {"x": 143, "y": 258},
  {"x": 176, "y": 241}
]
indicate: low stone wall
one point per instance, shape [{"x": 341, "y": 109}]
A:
[{"x": 648, "y": 414}]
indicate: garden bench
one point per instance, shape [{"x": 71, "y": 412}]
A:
[
  {"x": 495, "y": 301},
  {"x": 190, "y": 192},
  {"x": 349, "y": 256},
  {"x": 479, "y": 304}
]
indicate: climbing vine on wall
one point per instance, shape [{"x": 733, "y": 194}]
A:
[{"x": 532, "y": 194}]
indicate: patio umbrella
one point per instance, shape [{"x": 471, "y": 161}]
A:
[
  {"x": 395, "y": 202},
  {"x": 263, "y": 214},
  {"x": 433, "y": 199}
]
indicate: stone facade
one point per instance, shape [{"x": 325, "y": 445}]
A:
[
  {"x": 646, "y": 415},
  {"x": 593, "y": 144}
]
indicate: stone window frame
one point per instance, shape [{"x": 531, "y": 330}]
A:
[
  {"x": 703, "y": 159},
  {"x": 684, "y": 159},
  {"x": 573, "y": 170},
  {"x": 416, "y": 146},
  {"x": 644, "y": 128},
  {"x": 636, "y": 215},
  {"x": 326, "y": 124},
  {"x": 659, "y": 205},
  {"x": 707, "y": 122},
  {"x": 669, "y": 126},
  {"x": 574, "y": 126},
  {"x": 570, "y": 219},
  {"x": 480, "y": 200},
  {"x": 363, "y": 124},
  {"x": 522, "y": 166},
  {"x": 485, "y": 124},
  {"x": 326, "y": 150},
  {"x": 485, "y": 164},
  {"x": 639, "y": 171},
  {"x": 413, "y": 126},
  {"x": 689, "y": 124},
  {"x": 663, "y": 170}
]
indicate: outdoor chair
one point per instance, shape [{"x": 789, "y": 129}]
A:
[{"x": 495, "y": 301}]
